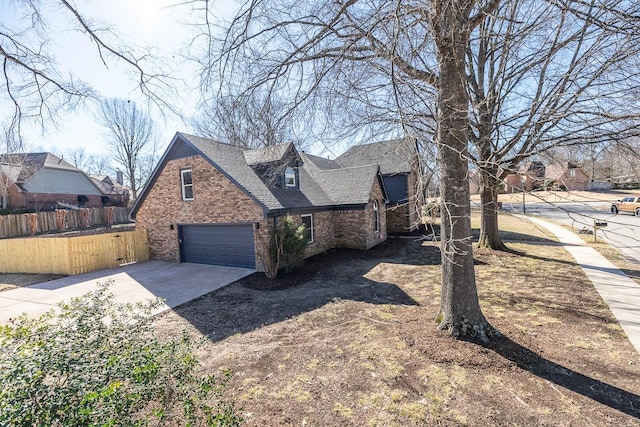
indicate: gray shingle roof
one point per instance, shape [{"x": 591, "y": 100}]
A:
[
  {"x": 320, "y": 162},
  {"x": 342, "y": 185},
  {"x": 229, "y": 159},
  {"x": 348, "y": 185},
  {"x": 317, "y": 187},
  {"x": 393, "y": 156},
  {"x": 30, "y": 163},
  {"x": 272, "y": 153}
]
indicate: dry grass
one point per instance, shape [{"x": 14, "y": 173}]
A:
[{"x": 366, "y": 358}]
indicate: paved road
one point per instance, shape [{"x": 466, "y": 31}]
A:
[
  {"x": 622, "y": 231},
  {"x": 175, "y": 283}
]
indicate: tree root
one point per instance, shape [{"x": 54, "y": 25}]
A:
[{"x": 464, "y": 329}]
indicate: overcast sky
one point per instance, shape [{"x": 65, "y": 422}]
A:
[{"x": 143, "y": 23}]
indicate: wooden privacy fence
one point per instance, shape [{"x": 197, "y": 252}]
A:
[
  {"x": 18, "y": 225},
  {"x": 73, "y": 255}
]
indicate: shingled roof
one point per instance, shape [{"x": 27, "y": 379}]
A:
[
  {"x": 272, "y": 153},
  {"x": 394, "y": 156},
  {"x": 28, "y": 164},
  {"x": 317, "y": 188}
]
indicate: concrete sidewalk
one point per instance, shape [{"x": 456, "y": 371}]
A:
[
  {"x": 176, "y": 283},
  {"x": 618, "y": 291}
]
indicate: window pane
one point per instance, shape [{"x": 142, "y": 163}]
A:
[
  {"x": 376, "y": 217},
  {"x": 186, "y": 177},
  {"x": 188, "y": 192},
  {"x": 308, "y": 225},
  {"x": 290, "y": 177}
]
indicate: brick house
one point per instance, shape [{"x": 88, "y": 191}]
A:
[
  {"x": 40, "y": 181},
  {"x": 215, "y": 203},
  {"x": 535, "y": 175},
  {"x": 113, "y": 190},
  {"x": 566, "y": 176},
  {"x": 399, "y": 163}
]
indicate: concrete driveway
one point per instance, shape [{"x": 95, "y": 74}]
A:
[{"x": 173, "y": 282}]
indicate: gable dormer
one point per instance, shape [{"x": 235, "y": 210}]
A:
[{"x": 276, "y": 165}]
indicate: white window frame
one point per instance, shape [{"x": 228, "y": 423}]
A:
[
  {"x": 376, "y": 217},
  {"x": 290, "y": 173},
  {"x": 185, "y": 185},
  {"x": 312, "y": 237},
  {"x": 572, "y": 173}
]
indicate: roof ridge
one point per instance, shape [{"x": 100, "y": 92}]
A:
[
  {"x": 215, "y": 141},
  {"x": 343, "y": 168},
  {"x": 399, "y": 139}
]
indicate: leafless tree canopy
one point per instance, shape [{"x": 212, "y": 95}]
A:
[
  {"x": 370, "y": 68},
  {"x": 249, "y": 120},
  {"x": 88, "y": 163},
  {"x": 543, "y": 74},
  {"x": 547, "y": 74},
  {"x": 351, "y": 67},
  {"x": 36, "y": 87},
  {"x": 130, "y": 134}
]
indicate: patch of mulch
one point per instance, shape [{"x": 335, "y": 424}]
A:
[
  {"x": 321, "y": 263},
  {"x": 393, "y": 247},
  {"x": 352, "y": 342}
]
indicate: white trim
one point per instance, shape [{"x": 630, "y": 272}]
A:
[
  {"x": 184, "y": 185},
  {"x": 312, "y": 234},
  {"x": 376, "y": 217},
  {"x": 289, "y": 173}
]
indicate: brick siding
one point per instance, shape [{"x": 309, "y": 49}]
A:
[
  {"x": 398, "y": 218},
  {"x": 215, "y": 200},
  {"x": 218, "y": 200},
  {"x": 355, "y": 228},
  {"x": 47, "y": 201}
]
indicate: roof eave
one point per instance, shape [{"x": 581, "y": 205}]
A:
[
  {"x": 308, "y": 209},
  {"x": 162, "y": 163}
]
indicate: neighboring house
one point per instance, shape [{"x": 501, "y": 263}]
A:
[
  {"x": 530, "y": 176},
  {"x": 114, "y": 192},
  {"x": 535, "y": 175},
  {"x": 40, "y": 181},
  {"x": 399, "y": 163},
  {"x": 215, "y": 203},
  {"x": 566, "y": 176}
]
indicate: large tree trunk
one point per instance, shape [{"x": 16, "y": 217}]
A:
[
  {"x": 489, "y": 231},
  {"x": 460, "y": 312}
]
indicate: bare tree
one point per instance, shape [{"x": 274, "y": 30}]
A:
[
  {"x": 10, "y": 165},
  {"x": 249, "y": 120},
  {"x": 130, "y": 134},
  {"x": 378, "y": 65},
  {"x": 88, "y": 163},
  {"x": 543, "y": 74},
  {"x": 36, "y": 87}
]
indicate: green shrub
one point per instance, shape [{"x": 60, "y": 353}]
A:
[
  {"x": 294, "y": 244},
  {"x": 287, "y": 243},
  {"x": 98, "y": 363}
]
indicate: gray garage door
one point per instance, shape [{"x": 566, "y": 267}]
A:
[{"x": 230, "y": 245}]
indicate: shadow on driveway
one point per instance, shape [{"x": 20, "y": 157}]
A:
[{"x": 173, "y": 282}]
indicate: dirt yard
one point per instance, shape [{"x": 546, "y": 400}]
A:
[
  {"x": 14, "y": 280},
  {"x": 351, "y": 341}
]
